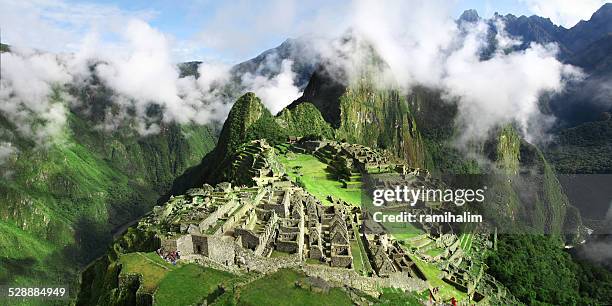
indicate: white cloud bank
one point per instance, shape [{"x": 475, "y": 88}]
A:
[
  {"x": 423, "y": 45},
  {"x": 275, "y": 92},
  {"x": 418, "y": 39},
  {"x": 139, "y": 70},
  {"x": 26, "y": 90},
  {"x": 564, "y": 12}
]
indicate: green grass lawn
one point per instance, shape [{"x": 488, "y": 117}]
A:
[
  {"x": 419, "y": 243},
  {"x": 150, "y": 265},
  {"x": 315, "y": 177},
  {"x": 395, "y": 297},
  {"x": 405, "y": 231},
  {"x": 466, "y": 241},
  {"x": 312, "y": 261},
  {"x": 189, "y": 284},
  {"x": 358, "y": 263},
  {"x": 279, "y": 289},
  {"x": 366, "y": 267},
  {"x": 434, "y": 278},
  {"x": 434, "y": 252}
]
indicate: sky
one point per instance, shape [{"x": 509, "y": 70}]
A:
[
  {"x": 226, "y": 31},
  {"x": 133, "y": 47}
]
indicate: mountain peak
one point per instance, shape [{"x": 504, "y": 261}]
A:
[
  {"x": 604, "y": 12},
  {"x": 470, "y": 15}
]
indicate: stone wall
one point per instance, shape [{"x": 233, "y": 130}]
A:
[
  {"x": 268, "y": 230},
  {"x": 287, "y": 246},
  {"x": 184, "y": 245},
  {"x": 370, "y": 285},
  {"x": 221, "y": 250},
  {"x": 249, "y": 239},
  {"x": 217, "y": 248},
  {"x": 252, "y": 262},
  {"x": 212, "y": 219},
  {"x": 168, "y": 245}
]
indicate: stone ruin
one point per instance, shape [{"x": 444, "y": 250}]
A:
[
  {"x": 242, "y": 227},
  {"x": 213, "y": 222},
  {"x": 349, "y": 161},
  {"x": 255, "y": 164}
]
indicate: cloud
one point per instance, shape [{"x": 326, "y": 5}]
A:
[
  {"x": 137, "y": 64},
  {"x": 491, "y": 88},
  {"x": 504, "y": 88},
  {"x": 598, "y": 248},
  {"x": 145, "y": 74},
  {"x": 58, "y": 26},
  {"x": 275, "y": 92},
  {"x": 27, "y": 94},
  {"x": 603, "y": 91},
  {"x": 146, "y": 86},
  {"x": 564, "y": 12},
  {"x": 396, "y": 31}
]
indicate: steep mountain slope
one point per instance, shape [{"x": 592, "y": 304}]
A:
[
  {"x": 383, "y": 118},
  {"x": 585, "y": 45},
  {"x": 248, "y": 119},
  {"x": 300, "y": 51},
  {"x": 571, "y": 42},
  {"x": 61, "y": 204},
  {"x": 523, "y": 189},
  {"x": 537, "y": 29},
  {"x": 596, "y": 58},
  {"x": 362, "y": 113},
  {"x": 587, "y": 32}
]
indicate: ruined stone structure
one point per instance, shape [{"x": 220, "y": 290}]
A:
[
  {"x": 254, "y": 164},
  {"x": 262, "y": 222},
  {"x": 348, "y": 160}
]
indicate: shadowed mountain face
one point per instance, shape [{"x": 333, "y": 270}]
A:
[
  {"x": 587, "y": 45},
  {"x": 322, "y": 90},
  {"x": 583, "y": 109},
  {"x": 571, "y": 41}
]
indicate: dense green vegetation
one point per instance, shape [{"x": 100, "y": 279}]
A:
[
  {"x": 304, "y": 120},
  {"x": 381, "y": 118},
  {"x": 393, "y": 297},
  {"x": 433, "y": 275},
  {"x": 583, "y": 149},
  {"x": 247, "y": 120},
  {"x": 100, "y": 283},
  {"x": 152, "y": 268},
  {"x": 537, "y": 270},
  {"x": 60, "y": 204}
]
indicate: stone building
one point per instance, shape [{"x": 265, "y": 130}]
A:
[{"x": 217, "y": 248}]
